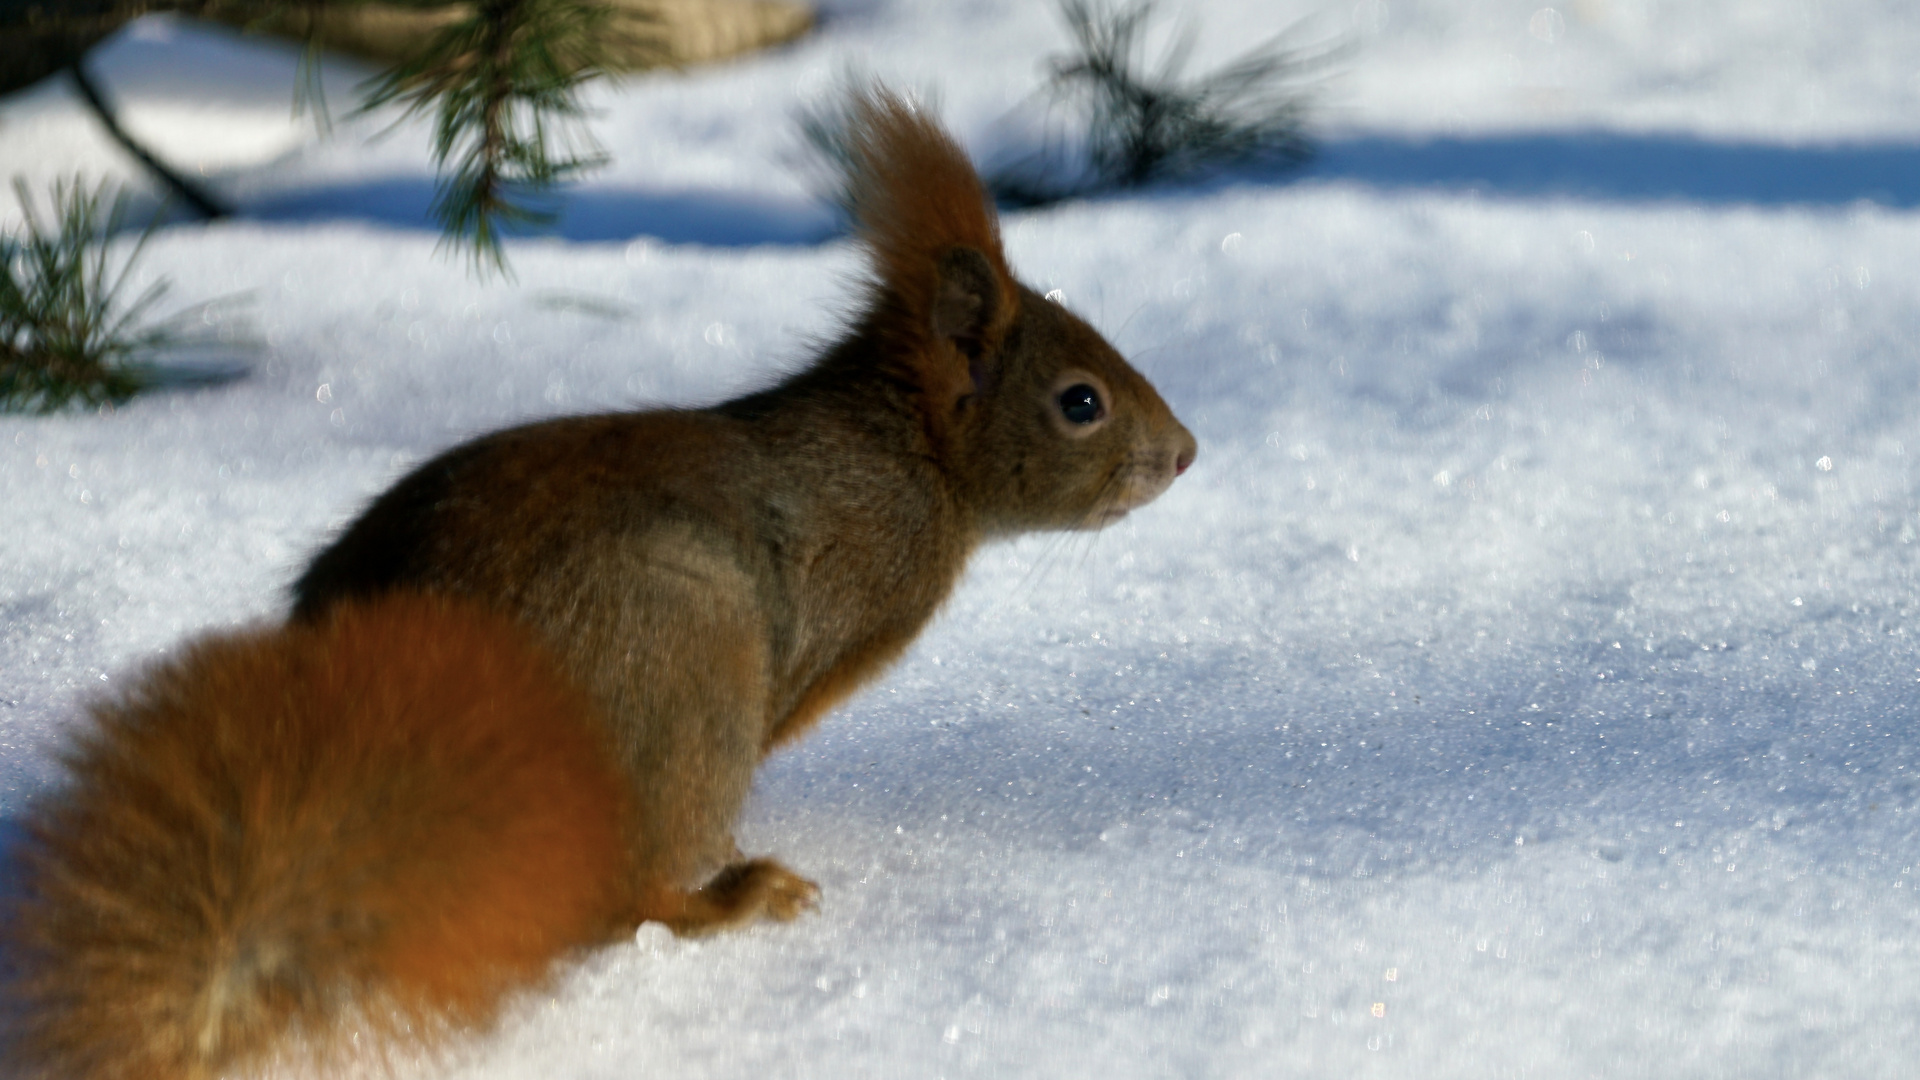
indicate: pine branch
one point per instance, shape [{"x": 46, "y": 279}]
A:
[
  {"x": 502, "y": 85},
  {"x": 66, "y": 333},
  {"x": 1139, "y": 126}
]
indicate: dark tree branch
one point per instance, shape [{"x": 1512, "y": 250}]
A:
[{"x": 203, "y": 203}]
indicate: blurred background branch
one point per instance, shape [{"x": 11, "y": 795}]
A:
[
  {"x": 499, "y": 78},
  {"x": 1130, "y": 123}
]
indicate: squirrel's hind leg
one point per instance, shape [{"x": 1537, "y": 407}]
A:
[
  {"x": 674, "y": 646},
  {"x": 742, "y": 893}
]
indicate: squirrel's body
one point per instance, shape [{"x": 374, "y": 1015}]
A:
[
  {"x": 714, "y": 580},
  {"x": 704, "y": 552}
]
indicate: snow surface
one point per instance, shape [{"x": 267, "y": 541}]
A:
[{"x": 1521, "y": 683}]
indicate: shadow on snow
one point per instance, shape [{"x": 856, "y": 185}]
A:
[
  {"x": 715, "y": 219},
  {"x": 1584, "y": 165},
  {"x": 1630, "y": 168}
]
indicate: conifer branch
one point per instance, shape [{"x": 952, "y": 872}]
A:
[
  {"x": 69, "y": 331},
  {"x": 502, "y": 86},
  {"x": 1137, "y": 125}
]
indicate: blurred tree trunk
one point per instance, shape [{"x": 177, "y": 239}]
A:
[
  {"x": 642, "y": 32},
  {"x": 39, "y": 37}
]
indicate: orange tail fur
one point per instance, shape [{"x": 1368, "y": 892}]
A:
[{"x": 284, "y": 838}]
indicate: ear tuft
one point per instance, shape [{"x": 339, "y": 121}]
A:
[{"x": 925, "y": 219}]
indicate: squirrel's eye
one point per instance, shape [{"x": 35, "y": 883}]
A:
[{"x": 1080, "y": 403}]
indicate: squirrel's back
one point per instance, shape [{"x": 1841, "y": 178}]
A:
[{"x": 378, "y": 823}]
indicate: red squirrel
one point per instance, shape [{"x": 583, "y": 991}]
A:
[{"x": 698, "y": 585}]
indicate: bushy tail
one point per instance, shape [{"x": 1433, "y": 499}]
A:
[{"x": 286, "y": 839}]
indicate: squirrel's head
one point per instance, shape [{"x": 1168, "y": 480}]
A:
[{"x": 1037, "y": 420}]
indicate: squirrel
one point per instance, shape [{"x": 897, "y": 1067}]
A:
[{"x": 691, "y": 589}]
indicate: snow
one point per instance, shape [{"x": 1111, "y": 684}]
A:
[{"x": 1519, "y": 685}]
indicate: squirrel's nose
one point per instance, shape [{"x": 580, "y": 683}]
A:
[{"x": 1183, "y": 457}]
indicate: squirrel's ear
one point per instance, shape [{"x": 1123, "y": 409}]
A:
[
  {"x": 967, "y": 299},
  {"x": 924, "y": 216}
]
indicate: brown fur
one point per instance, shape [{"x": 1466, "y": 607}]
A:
[
  {"x": 718, "y": 579},
  {"x": 916, "y": 197},
  {"x": 380, "y": 822}
]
